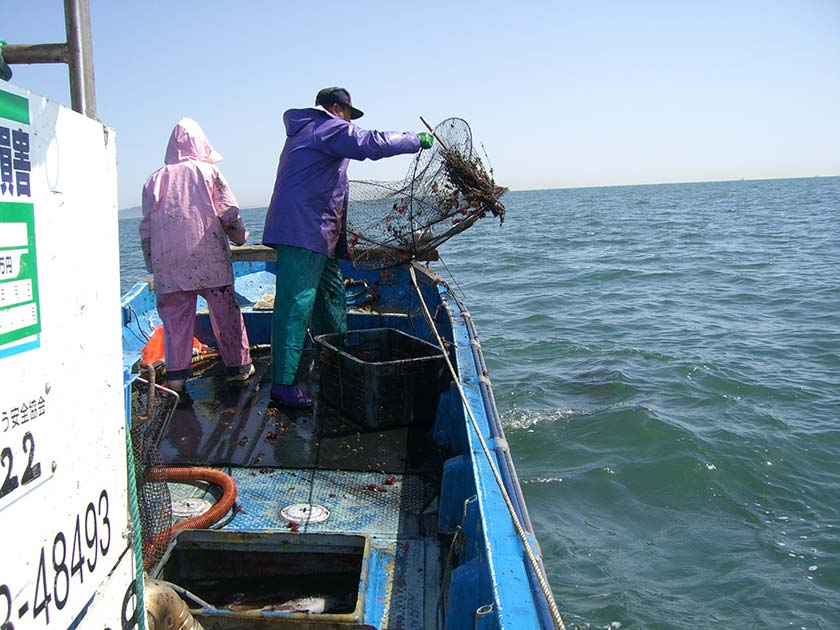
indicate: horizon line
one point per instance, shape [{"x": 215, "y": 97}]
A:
[{"x": 710, "y": 181}]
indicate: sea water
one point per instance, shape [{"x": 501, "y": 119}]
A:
[{"x": 666, "y": 362}]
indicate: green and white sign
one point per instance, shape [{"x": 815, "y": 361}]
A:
[
  {"x": 20, "y": 322},
  {"x": 19, "y": 313}
]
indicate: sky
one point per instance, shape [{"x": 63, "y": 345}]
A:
[{"x": 560, "y": 94}]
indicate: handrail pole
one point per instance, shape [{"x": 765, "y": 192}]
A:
[
  {"x": 35, "y": 53},
  {"x": 76, "y": 52},
  {"x": 80, "y": 57}
]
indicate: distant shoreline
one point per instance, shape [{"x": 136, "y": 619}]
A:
[{"x": 136, "y": 212}]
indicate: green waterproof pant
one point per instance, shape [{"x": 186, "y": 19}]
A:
[{"x": 310, "y": 287}]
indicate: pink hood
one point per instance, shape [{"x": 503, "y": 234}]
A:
[{"x": 188, "y": 142}]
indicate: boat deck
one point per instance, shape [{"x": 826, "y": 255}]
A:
[
  {"x": 380, "y": 484},
  {"x": 238, "y": 425},
  {"x": 409, "y": 525}
]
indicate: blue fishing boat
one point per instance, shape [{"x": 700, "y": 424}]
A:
[{"x": 399, "y": 508}]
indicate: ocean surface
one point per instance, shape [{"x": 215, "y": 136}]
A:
[{"x": 666, "y": 361}]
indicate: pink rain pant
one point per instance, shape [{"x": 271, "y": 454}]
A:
[{"x": 177, "y": 310}]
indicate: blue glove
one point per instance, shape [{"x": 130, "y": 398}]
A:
[
  {"x": 426, "y": 140},
  {"x": 5, "y": 71}
]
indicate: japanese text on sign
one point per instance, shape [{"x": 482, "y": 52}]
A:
[
  {"x": 22, "y": 413},
  {"x": 15, "y": 166}
]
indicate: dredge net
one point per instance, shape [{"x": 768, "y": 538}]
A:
[
  {"x": 446, "y": 190},
  {"x": 148, "y": 420}
]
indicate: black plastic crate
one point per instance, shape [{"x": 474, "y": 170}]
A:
[{"x": 380, "y": 377}]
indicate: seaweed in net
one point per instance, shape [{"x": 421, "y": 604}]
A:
[{"x": 447, "y": 189}]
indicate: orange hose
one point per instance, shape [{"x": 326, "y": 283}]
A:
[{"x": 202, "y": 521}]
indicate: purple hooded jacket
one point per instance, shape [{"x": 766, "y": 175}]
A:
[{"x": 311, "y": 189}]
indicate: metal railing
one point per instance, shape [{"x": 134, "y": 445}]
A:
[{"x": 76, "y": 52}]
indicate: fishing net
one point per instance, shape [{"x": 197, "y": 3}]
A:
[
  {"x": 446, "y": 190},
  {"x": 148, "y": 420}
]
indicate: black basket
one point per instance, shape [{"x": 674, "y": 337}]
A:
[{"x": 380, "y": 377}]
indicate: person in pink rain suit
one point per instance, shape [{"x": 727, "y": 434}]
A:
[{"x": 189, "y": 215}]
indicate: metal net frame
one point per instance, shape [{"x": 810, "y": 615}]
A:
[{"x": 446, "y": 190}]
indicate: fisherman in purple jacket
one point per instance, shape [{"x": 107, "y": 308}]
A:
[{"x": 306, "y": 223}]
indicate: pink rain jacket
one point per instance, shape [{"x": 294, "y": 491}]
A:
[{"x": 189, "y": 214}]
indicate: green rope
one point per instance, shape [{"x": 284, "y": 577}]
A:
[
  {"x": 5, "y": 70},
  {"x": 138, "y": 539}
]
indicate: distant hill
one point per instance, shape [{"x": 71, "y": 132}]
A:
[
  {"x": 136, "y": 212},
  {"x": 131, "y": 213}
]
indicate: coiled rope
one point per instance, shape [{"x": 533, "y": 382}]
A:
[{"x": 543, "y": 582}]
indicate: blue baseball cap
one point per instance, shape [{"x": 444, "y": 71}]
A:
[{"x": 331, "y": 95}]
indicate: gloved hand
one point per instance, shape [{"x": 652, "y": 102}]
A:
[{"x": 426, "y": 140}]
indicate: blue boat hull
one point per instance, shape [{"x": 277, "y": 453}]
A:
[{"x": 436, "y": 545}]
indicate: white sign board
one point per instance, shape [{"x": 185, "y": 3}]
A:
[{"x": 63, "y": 499}]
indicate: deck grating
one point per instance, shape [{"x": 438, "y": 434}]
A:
[{"x": 359, "y": 502}]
